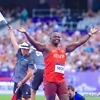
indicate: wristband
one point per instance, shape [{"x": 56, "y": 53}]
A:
[{"x": 90, "y": 34}]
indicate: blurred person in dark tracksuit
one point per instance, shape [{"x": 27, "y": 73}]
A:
[
  {"x": 38, "y": 74},
  {"x": 74, "y": 95}
]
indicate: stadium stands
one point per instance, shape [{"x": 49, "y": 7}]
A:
[{"x": 86, "y": 57}]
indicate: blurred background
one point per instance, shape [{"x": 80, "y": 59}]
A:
[{"x": 40, "y": 18}]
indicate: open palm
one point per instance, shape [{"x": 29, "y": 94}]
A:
[
  {"x": 94, "y": 30},
  {"x": 22, "y": 30}
]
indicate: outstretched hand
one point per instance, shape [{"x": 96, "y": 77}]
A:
[
  {"x": 22, "y": 30},
  {"x": 94, "y": 30}
]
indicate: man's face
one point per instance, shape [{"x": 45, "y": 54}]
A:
[
  {"x": 56, "y": 37},
  {"x": 25, "y": 51},
  {"x": 71, "y": 93}
]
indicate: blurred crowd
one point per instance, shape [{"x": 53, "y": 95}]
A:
[{"x": 84, "y": 58}]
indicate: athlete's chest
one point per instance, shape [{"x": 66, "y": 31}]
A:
[{"x": 58, "y": 53}]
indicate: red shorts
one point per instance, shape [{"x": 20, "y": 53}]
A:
[{"x": 52, "y": 88}]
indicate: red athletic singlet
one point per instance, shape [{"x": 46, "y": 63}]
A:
[{"x": 54, "y": 65}]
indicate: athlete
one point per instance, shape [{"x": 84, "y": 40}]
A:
[{"x": 55, "y": 58}]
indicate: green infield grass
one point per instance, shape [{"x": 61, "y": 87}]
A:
[{"x": 8, "y": 97}]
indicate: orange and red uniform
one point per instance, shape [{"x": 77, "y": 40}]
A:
[{"x": 54, "y": 64}]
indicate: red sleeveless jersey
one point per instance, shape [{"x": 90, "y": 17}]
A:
[{"x": 54, "y": 64}]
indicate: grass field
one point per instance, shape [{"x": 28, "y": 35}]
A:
[{"x": 8, "y": 97}]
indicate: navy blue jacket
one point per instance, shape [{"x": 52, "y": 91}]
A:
[{"x": 77, "y": 97}]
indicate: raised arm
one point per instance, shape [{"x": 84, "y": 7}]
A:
[
  {"x": 39, "y": 46},
  {"x": 74, "y": 45},
  {"x": 13, "y": 38}
]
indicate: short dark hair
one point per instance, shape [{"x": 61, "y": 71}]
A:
[{"x": 71, "y": 87}]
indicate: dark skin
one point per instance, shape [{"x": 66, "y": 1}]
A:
[{"x": 55, "y": 42}]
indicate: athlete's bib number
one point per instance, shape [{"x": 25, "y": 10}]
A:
[{"x": 59, "y": 69}]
